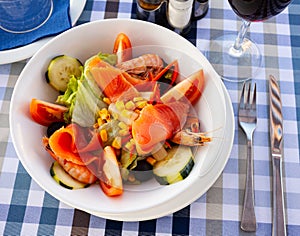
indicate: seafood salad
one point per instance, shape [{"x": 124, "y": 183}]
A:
[{"x": 120, "y": 119}]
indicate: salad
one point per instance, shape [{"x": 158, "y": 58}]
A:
[{"x": 119, "y": 119}]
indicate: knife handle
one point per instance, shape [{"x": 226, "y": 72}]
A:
[
  {"x": 248, "y": 220},
  {"x": 278, "y": 228}
]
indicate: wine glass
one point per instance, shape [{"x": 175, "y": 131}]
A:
[{"x": 231, "y": 53}]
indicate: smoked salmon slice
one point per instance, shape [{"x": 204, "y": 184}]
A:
[
  {"x": 112, "y": 81},
  {"x": 72, "y": 144},
  {"x": 158, "y": 123}
]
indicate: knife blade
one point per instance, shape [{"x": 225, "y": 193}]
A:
[{"x": 276, "y": 139}]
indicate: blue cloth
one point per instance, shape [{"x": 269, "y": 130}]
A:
[{"x": 57, "y": 23}]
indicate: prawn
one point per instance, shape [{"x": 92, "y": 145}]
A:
[
  {"x": 142, "y": 66},
  {"x": 79, "y": 172},
  {"x": 189, "y": 138},
  {"x": 81, "y": 166}
]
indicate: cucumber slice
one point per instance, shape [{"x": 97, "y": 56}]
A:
[
  {"x": 175, "y": 167},
  {"x": 64, "y": 179},
  {"x": 60, "y": 69}
]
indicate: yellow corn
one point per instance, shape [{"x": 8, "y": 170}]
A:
[
  {"x": 126, "y": 113},
  {"x": 100, "y": 121},
  {"x": 137, "y": 99},
  {"x": 141, "y": 104},
  {"x": 123, "y": 132},
  {"x": 106, "y": 100},
  {"x": 115, "y": 115},
  {"x": 104, "y": 114},
  {"x": 132, "y": 141},
  {"x": 117, "y": 142},
  {"x": 151, "y": 160},
  {"x": 96, "y": 125},
  {"x": 122, "y": 125},
  {"x": 120, "y": 105},
  {"x": 130, "y": 105},
  {"x": 129, "y": 146},
  {"x": 103, "y": 135}
]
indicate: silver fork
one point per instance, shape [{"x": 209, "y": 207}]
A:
[{"x": 247, "y": 120}]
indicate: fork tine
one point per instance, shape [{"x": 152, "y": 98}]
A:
[
  {"x": 254, "y": 98},
  {"x": 242, "y": 98},
  {"x": 248, "y": 104}
]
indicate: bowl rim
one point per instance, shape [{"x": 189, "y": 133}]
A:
[{"x": 78, "y": 28}]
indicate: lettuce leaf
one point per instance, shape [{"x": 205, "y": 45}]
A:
[
  {"x": 83, "y": 97},
  {"x": 68, "y": 98},
  {"x": 86, "y": 105},
  {"x": 109, "y": 58}
]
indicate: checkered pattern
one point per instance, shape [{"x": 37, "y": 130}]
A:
[{"x": 25, "y": 209}]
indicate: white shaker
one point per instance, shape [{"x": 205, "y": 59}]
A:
[{"x": 179, "y": 13}]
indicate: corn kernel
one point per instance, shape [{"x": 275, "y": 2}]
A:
[
  {"x": 151, "y": 160},
  {"x": 126, "y": 114},
  {"x": 103, "y": 135},
  {"x": 104, "y": 114},
  {"x": 137, "y": 99},
  {"x": 141, "y": 104},
  {"x": 120, "y": 105},
  {"x": 100, "y": 121},
  {"x": 115, "y": 115},
  {"x": 106, "y": 100},
  {"x": 117, "y": 142},
  {"x": 132, "y": 141},
  {"x": 130, "y": 105},
  {"x": 122, "y": 125},
  {"x": 129, "y": 146},
  {"x": 123, "y": 132}
]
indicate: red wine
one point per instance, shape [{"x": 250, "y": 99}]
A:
[{"x": 258, "y": 10}]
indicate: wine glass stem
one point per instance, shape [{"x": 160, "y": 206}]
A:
[{"x": 237, "y": 49}]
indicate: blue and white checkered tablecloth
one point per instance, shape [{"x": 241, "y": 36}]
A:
[{"x": 25, "y": 209}]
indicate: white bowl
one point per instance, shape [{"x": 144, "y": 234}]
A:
[{"x": 214, "y": 109}]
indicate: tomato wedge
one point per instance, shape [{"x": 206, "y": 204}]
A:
[
  {"x": 111, "y": 181},
  {"x": 122, "y": 48},
  {"x": 190, "y": 88},
  {"x": 45, "y": 113},
  {"x": 168, "y": 67}
]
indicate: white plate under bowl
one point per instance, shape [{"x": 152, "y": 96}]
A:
[
  {"x": 24, "y": 52},
  {"x": 85, "y": 41}
]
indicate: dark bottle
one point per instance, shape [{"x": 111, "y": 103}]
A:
[
  {"x": 200, "y": 9},
  {"x": 152, "y": 11}
]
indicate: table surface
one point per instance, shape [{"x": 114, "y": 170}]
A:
[{"x": 25, "y": 209}]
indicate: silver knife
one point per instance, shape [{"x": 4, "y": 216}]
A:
[{"x": 276, "y": 138}]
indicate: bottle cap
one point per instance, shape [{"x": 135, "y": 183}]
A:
[{"x": 181, "y": 4}]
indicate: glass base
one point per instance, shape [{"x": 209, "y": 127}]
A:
[
  {"x": 20, "y": 16},
  {"x": 234, "y": 65}
]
